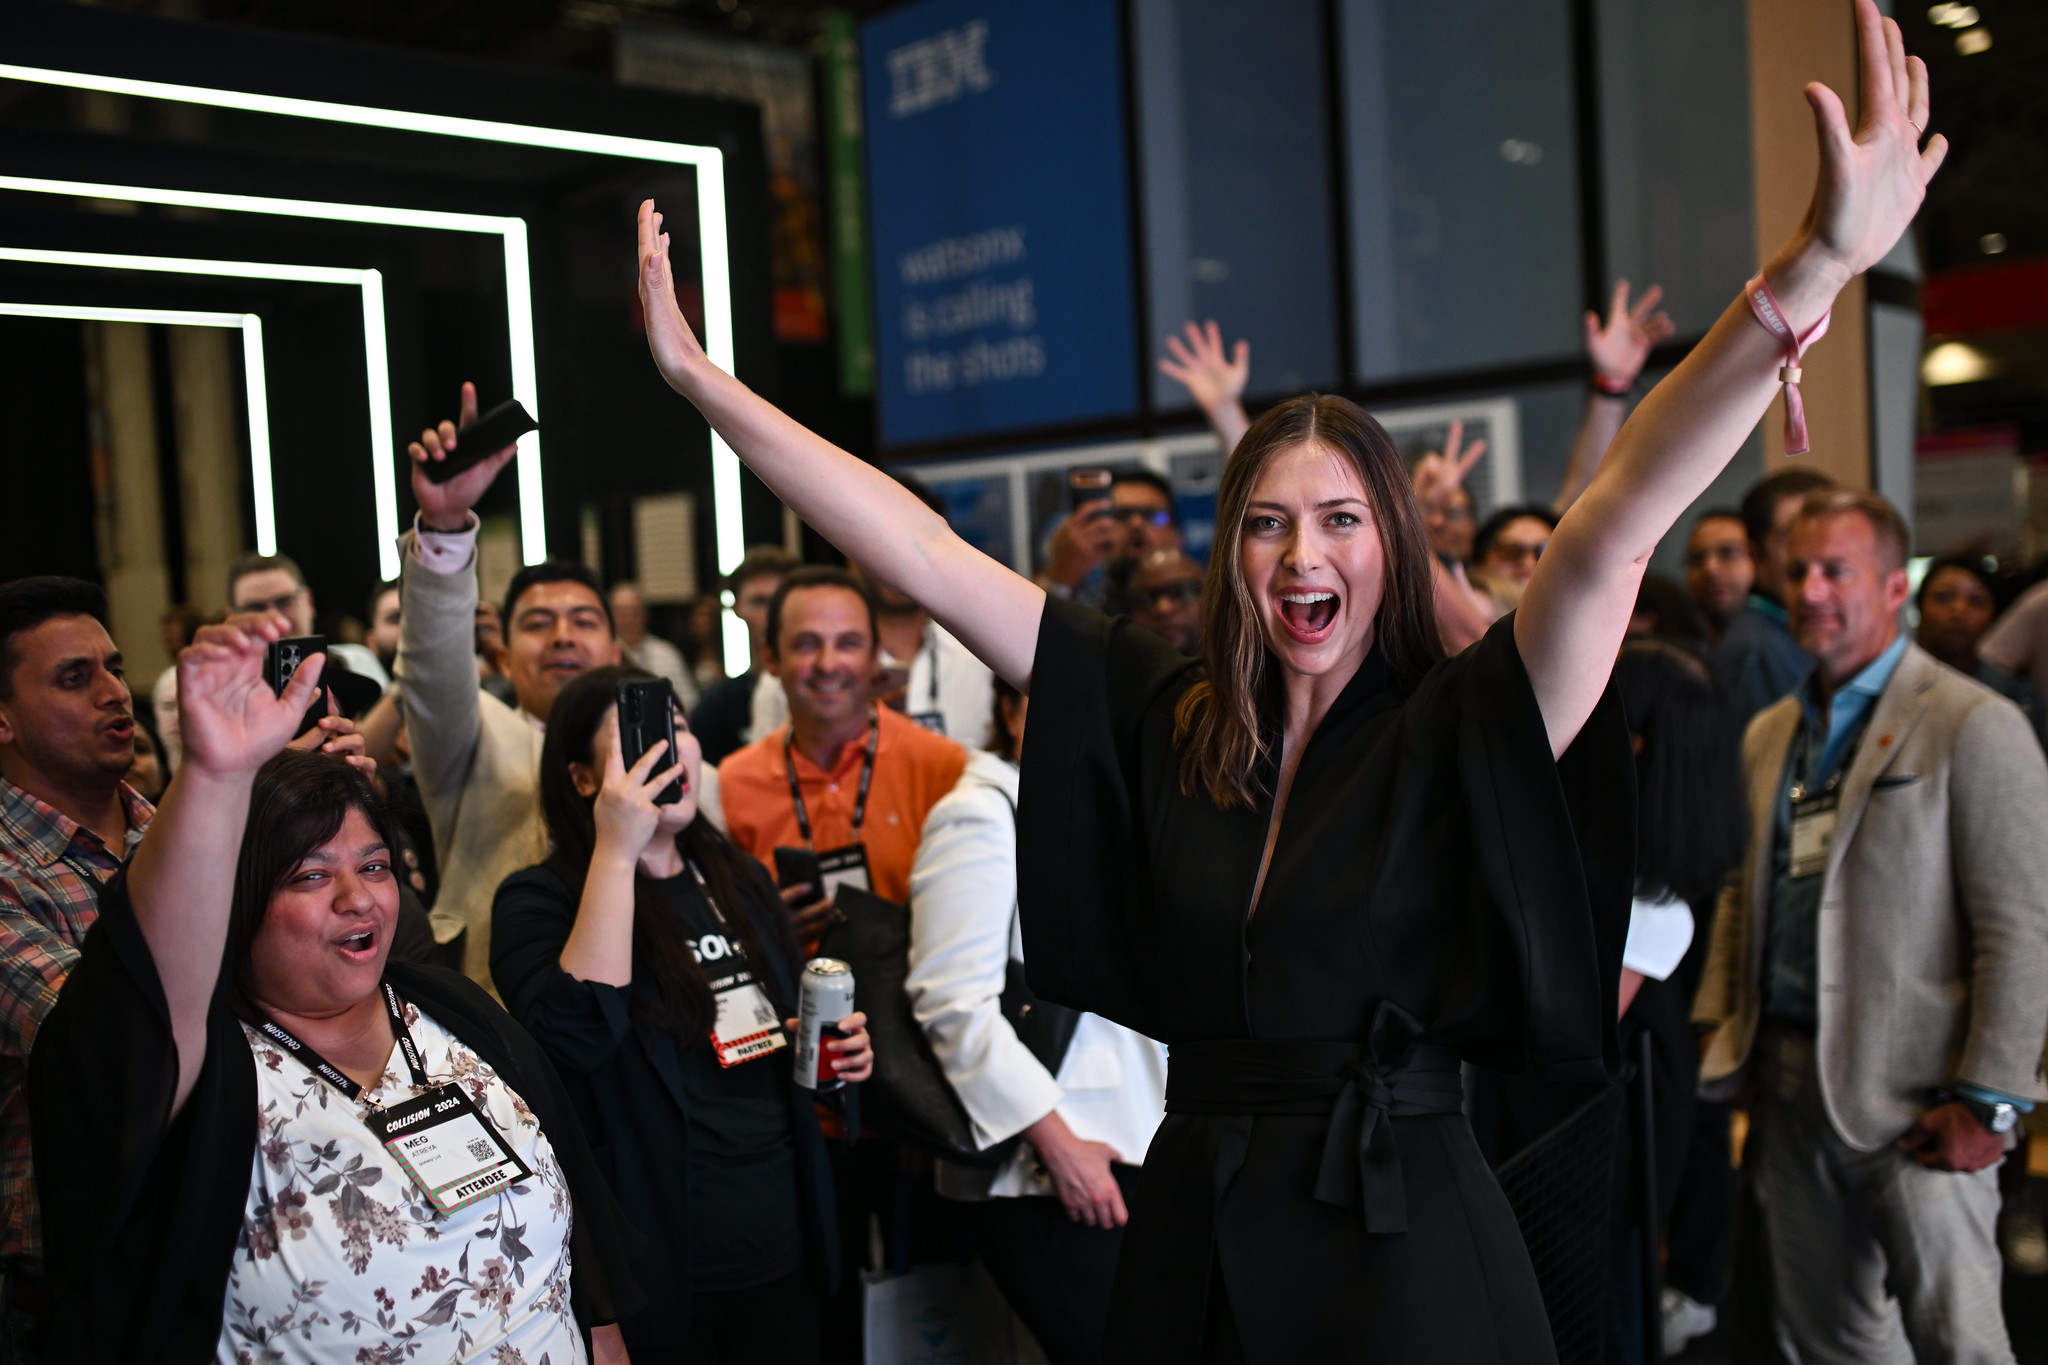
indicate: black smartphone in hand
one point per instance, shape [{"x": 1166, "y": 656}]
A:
[
  {"x": 1088, "y": 485},
  {"x": 283, "y": 658},
  {"x": 481, "y": 439},
  {"x": 799, "y": 867},
  {"x": 647, "y": 720}
]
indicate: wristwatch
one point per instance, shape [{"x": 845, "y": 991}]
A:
[{"x": 1999, "y": 1116}]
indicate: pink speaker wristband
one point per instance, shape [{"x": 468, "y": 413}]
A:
[{"x": 1764, "y": 305}]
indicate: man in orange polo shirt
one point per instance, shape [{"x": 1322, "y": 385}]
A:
[{"x": 864, "y": 775}]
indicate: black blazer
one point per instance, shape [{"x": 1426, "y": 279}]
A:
[
  {"x": 626, "y": 1080},
  {"x": 141, "y": 1212}
]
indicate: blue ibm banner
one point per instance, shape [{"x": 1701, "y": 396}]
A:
[{"x": 1000, "y": 215}]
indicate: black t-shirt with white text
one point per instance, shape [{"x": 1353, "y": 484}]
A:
[{"x": 744, "y": 1215}]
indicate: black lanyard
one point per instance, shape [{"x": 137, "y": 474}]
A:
[
  {"x": 932, "y": 648},
  {"x": 334, "y": 1075},
  {"x": 1803, "y": 775},
  {"x": 860, "y": 802}
]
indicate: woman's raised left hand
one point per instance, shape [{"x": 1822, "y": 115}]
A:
[
  {"x": 230, "y": 719},
  {"x": 1872, "y": 177}
]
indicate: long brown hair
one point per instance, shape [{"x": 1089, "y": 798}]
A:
[{"x": 1217, "y": 725}]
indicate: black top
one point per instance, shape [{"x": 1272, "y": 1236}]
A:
[
  {"x": 744, "y": 1225},
  {"x": 630, "y": 1084},
  {"x": 722, "y": 715},
  {"x": 1434, "y": 856},
  {"x": 140, "y": 1213}
]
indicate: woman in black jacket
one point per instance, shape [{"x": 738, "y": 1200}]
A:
[
  {"x": 644, "y": 955},
  {"x": 259, "y": 1138}
]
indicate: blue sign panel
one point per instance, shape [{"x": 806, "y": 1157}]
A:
[{"x": 1000, "y": 215}]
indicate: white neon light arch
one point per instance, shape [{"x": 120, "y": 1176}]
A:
[
  {"x": 376, "y": 361},
  {"x": 709, "y": 162},
  {"x": 257, "y": 387}
]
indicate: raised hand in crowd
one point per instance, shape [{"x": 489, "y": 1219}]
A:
[
  {"x": 874, "y": 520},
  {"x": 338, "y": 735},
  {"x": 1213, "y": 378},
  {"x": 1439, "y": 476},
  {"x": 183, "y": 878},
  {"x": 1085, "y": 539},
  {"x": 1621, "y": 346},
  {"x": 445, "y": 506},
  {"x": 1618, "y": 348},
  {"x": 628, "y": 820}
]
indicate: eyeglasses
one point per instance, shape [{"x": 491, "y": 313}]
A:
[
  {"x": 1148, "y": 515},
  {"x": 281, "y": 605},
  {"x": 1509, "y": 552},
  {"x": 1172, "y": 594}
]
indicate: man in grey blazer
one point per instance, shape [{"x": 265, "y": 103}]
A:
[{"x": 1878, "y": 977}]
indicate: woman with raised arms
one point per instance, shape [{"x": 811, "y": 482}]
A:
[{"x": 1323, "y": 863}]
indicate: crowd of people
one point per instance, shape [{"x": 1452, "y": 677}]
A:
[{"x": 1256, "y": 911}]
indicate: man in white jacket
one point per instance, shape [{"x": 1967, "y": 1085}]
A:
[{"x": 1048, "y": 1221}]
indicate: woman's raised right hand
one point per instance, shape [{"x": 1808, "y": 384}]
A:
[
  {"x": 674, "y": 346},
  {"x": 625, "y": 809},
  {"x": 231, "y": 721}
]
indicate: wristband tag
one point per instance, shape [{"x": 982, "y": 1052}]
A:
[
  {"x": 844, "y": 866},
  {"x": 450, "y": 1148},
  {"x": 1764, "y": 307}
]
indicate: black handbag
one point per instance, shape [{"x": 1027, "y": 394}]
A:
[{"x": 908, "y": 1097}]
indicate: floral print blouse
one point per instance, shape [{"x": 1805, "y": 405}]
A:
[{"x": 342, "y": 1259}]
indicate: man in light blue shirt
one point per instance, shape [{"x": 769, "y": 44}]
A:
[{"x": 1878, "y": 978}]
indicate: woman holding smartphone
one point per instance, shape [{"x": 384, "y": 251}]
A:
[
  {"x": 651, "y": 959},
  {"x": 1322, "y": 863}
]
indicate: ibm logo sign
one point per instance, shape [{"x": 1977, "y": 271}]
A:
[{"x": 939, "y": 70}]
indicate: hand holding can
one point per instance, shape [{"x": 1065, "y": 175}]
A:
[{"x": 826, "y": 1000}]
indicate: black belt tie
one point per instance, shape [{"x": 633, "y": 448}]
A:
[{"x": 1360, "y": 1086}]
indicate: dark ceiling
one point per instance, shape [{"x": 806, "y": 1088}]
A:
[{"x": 1993, "y": 106}]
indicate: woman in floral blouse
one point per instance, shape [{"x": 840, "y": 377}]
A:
[{"x": 413, "y": 1185}]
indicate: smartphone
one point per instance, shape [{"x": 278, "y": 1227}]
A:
[
  {"x": 1087, "y": 485},
  {"x": 647, "y": 720},
  {"x": 282, "y": 660},
  {"x": 799, "y": 867},
  {"x": 284, "y": 657},
  {"x": 481, "y": 439}
]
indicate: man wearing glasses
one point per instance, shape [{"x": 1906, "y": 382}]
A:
[
  {"x": 1095, "y": 549},
  {"x": 276, "y": 583},
  {"x": 1166, "y": 597}
]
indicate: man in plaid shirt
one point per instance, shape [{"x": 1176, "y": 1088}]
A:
[{"x": 67, "y": 823}]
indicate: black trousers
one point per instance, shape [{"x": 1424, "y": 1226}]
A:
[
  {"x": 770, "y": 1324},
  {"x": 1055, "y": 1272},
  {"x": 1702, "y": 1226}
]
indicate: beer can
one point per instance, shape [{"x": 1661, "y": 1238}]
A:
[{"x": 827, "y": 997}]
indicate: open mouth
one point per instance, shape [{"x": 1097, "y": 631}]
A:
[
  {"x": 122, "y": 729},
  {"x": 361, "y": 946},
  {"x": 1308, "y": 613}
]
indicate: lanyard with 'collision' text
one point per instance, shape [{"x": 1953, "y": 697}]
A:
[
  {"x": 334, "y": 1075},
  {"x": 449, "y": 1147},
  {"x": 860, "y": 801}
]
